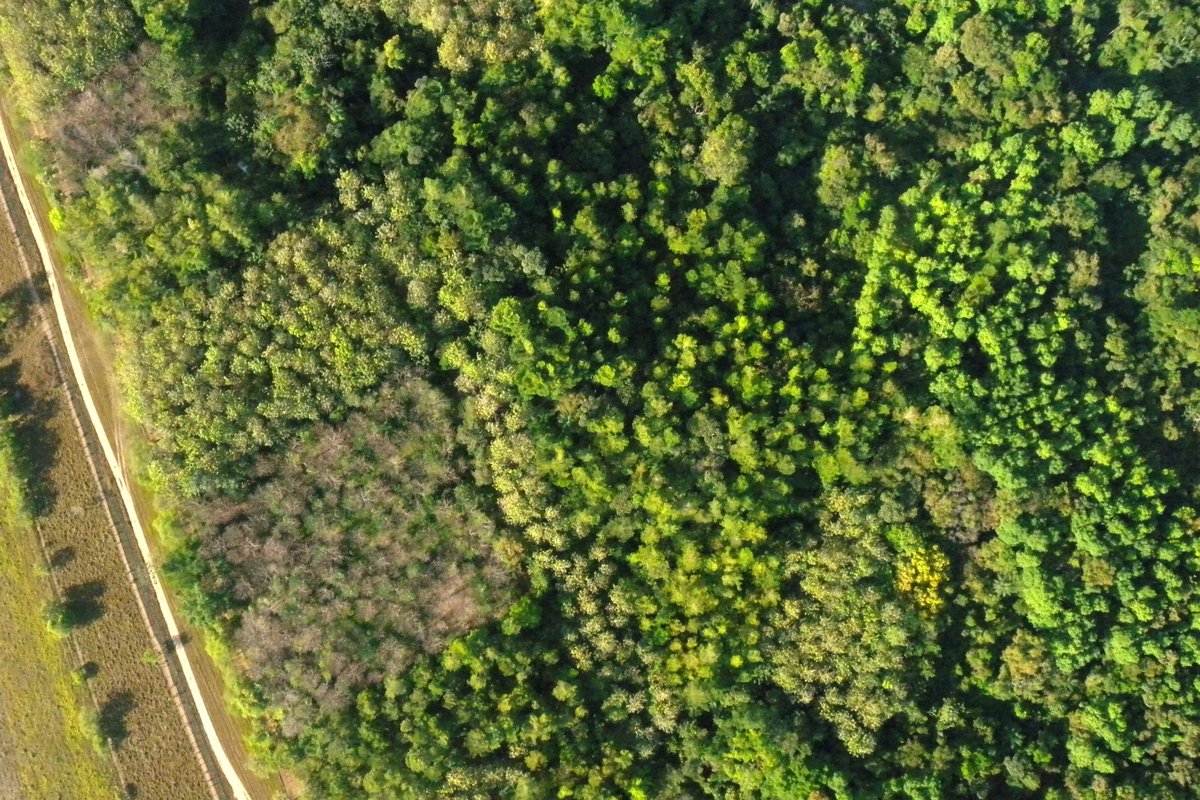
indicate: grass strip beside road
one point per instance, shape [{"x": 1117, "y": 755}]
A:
[{"x": 45, "y": 751}]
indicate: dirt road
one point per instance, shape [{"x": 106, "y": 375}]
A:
[{"x": 155, "y": 605}]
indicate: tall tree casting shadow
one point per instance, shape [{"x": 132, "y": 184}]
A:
[
  {"x": 32, "y": 415},
  {"x": 82, "y": 604}
]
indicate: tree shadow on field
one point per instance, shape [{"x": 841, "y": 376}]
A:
[
  {"x": 83, "y": 603},
  {"x": 113, "y": 717},
  {"x": 16, "y": 309},
  {"x": 176, "y": 642},
  {"x": 37, "y": 443},
  {"x": 62, "y": 557}
]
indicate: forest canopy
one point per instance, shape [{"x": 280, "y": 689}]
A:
[{"x": 661, "y": 399}]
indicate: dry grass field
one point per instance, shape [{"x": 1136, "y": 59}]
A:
[
  {"x": 136, "y": 711},
  {"x": 45, "y": 746}
]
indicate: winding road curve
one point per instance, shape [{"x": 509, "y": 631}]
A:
[{"x": 190, "y": 692}]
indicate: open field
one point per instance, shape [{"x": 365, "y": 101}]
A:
[
  {"x": 137, "y": 711},
  {"x": 45, "y": 750}
]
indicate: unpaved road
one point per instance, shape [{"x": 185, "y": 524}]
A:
[{"x": 156, "y": 608}]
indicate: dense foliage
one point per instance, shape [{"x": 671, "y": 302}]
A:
[{"x": 643, "y": 399}]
